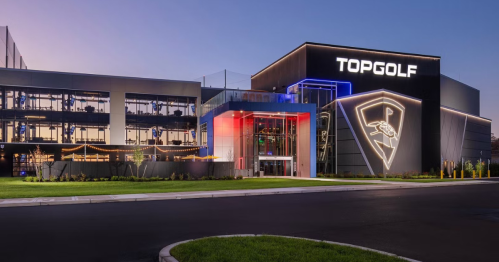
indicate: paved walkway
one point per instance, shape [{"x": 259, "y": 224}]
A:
[{"x": 376, "y": 185}]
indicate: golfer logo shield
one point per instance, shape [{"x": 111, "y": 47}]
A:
[{"x": 381, "y": 120}]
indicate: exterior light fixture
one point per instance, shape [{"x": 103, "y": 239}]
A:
[
  {"x": 83, "y": 100},
  {"x": 32, "y": 98},
  {"x": 51, "y": 128},
  {"x": 101, "y": 129},
  {"x": 101, "y": 102},
  {"x": 241, "y": 111},
  {"x": 32, "y": 127},
  {"x": 83, "y": 129}
]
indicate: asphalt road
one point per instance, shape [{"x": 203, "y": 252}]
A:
[{"x": 459, "y": 223}]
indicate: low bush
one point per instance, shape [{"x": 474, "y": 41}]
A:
[
  {"x": 320, "y": 175},
  {"x": 239, "y": 177},
  {"x": 172, "y": 177},
  {"x": 96, "y": 180},
  {"x": 29, "y": 179},
  {"x": 181, "y": 177},
  {"x": 115, "y": 178},
  {"x": 349, "y": 175},
  {"x": 360, "y": 175},
  {"x": 189, "y": 177},
  {"x": 380, "y": 175}
]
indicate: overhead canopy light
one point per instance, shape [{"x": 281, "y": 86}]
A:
[
  {"x": 83, "y": 129},
  {"x": 32, "y": 127},
  {"x": 101, "y": 129},
  {"x": 51, "y": 128}
]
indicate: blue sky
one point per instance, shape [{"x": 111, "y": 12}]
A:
[{"x": 187, "y": 39}]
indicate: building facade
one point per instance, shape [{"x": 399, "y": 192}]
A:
[
  {"x": 319, "y": 108},
  {"x": 367, "y": 111}
]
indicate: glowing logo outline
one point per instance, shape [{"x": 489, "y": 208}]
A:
[{"x": 382, "y": 127}]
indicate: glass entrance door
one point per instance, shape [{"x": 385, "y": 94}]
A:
[{"x": 275, "y": 167}]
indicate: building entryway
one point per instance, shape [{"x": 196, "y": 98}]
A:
[{"x": 276, "y": 166}]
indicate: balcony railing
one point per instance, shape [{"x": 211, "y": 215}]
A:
[{"x": 246, "y": 96}]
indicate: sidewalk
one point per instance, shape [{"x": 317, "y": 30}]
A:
[{"x": 376, "y": 185}]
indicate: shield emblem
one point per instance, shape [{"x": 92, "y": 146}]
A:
[{"x": 381, "y": 120}]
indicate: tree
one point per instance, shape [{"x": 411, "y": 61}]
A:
[
  {"x": 38, "y": 157},
  {"x": 468, "y": 167},
  {"x": 230, "y": 159},
  {"x": 479, "y": 166},
  {"x": 138, "y": 157}
]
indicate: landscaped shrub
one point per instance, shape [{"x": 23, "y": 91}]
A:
[
  {"x": 189, "y": 177},
  {"x": 172, "y": 177},
  {"x": 239, "y": 177},
  {"x": 349, "y": 175},
  {"x": 45, "y": 180},
  {"x": 96, "y": 180},
  {"x": 380, "y": 175},
  {"x": 320, "y": 175},
  {"x": 29, "y": 179},
  {"x": 360, "y": 175},
  {"x": 205, "y": 178},
  {"x": 62, "y": 178},
  {"x": 52, "y": 178},
  {"x": 83, "y": 177},
  {"x": 115, "y": 178},
  {"x": 181, "y": 177},
  {"x": 340, "y": 175}
]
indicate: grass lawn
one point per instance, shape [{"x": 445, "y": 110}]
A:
[
  {"x": 14, "y": 187},
  {"x": 270, "y": 248},
  {"x": 406, "y": 180}
]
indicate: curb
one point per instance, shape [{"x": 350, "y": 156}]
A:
[
  {"x": 47, "y": 201},
  {"x": 165, "y": 256}
]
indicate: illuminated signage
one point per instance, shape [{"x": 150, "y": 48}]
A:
[
  {"x": 383, "y": 133},
  {"x": 377, "y": 67}
]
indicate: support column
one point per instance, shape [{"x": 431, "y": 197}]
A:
[{"x": 117, "y": 118}]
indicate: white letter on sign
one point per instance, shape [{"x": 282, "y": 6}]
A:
[
  {"x": 411, "y": 69},
  {"x": 365, "y": 66},
  {"x": 350, "y": 63},
  {"x": 341, "y": 60},
  {"x": 379, "y": 68}
]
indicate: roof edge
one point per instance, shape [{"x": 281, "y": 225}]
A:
[{"x": 345, "y": 47}]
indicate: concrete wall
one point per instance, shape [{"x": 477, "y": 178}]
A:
[
  {"x": 304, "y": 146},
  {"x": 161, "y": 169}
]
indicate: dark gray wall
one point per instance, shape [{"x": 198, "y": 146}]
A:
[
  {"x": 350, "y": 159},
  {"x": 457, "y": 95},
  {"x": 452, "y": 135},
  {"x": 282, "y": 73},
  {"x": 477, "y": 143},
  {"x": 161, "y": 169}
]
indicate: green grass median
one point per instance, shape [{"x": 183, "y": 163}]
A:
[
  {"x": 271, "y": 248},
  {"x": 14, "y": 187}
]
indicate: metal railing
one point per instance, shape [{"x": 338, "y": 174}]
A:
[{"x": 246, "y": 96}]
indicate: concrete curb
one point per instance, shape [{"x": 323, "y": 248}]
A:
[
  {"x": 165, "y": 256},
  {"x": 49, "y": 201}
]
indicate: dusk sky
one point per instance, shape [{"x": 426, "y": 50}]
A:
[{"x": 187, "y": 39}]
